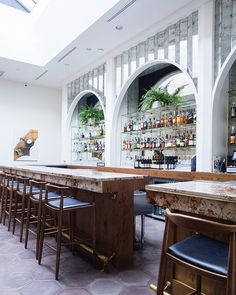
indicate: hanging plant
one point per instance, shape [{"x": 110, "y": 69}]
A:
[
  {"x": 89, "y": 113},
  {"x": 161, "y": 95}
]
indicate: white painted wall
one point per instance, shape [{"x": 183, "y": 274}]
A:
[{"x": 32, "y": 107}]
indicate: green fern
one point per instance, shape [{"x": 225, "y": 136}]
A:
[
  {"x": 161, "y": 95},
  {"x": 90, "y": 113}
]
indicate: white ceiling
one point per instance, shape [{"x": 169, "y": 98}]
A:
[{"x": 139, "y": 16}]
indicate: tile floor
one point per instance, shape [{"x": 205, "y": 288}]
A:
[{"x": 20, "y": 273}]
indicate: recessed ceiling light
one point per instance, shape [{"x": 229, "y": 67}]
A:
[
  {"x": 67, "y": 65},
  {"x": 118, "y": 27},
  {"x": 100, "y": 49},
  {"x": 88, "y": 48}
]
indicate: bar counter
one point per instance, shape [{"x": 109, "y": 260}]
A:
[
  {"x": 169, "y": 174},
  {"x": 113, "y": 194},
  {"x": 209, "y": 199}
]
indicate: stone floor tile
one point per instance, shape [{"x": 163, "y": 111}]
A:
[
  {"x": 137, "y": 291},
  {"x": 106, "y": 287},
  {"x": 75, "y": 264},
  {"x": 10, "y": 292},
  {"x": 41, "y": 288},
  {"x": 150, "y": 268},
  {"x": 14, "y": 281},
  {"x": 44, "y": 272},
  {"x": 24, "y": 265},
  {"x": 78, "y": 279},
  {"x": 134, "y": 277},
  {"x": 74, "y": 291}
]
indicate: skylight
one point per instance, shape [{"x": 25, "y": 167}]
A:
[{"x": 24, "y": 5}]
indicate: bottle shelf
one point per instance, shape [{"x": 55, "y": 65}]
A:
[
  {"x": 176, "y": 130},
  {"x": 154, "y": 130},
  {"x": 90, "y": 151},
  {"x": 88, "y": 138},
  {"x": 158, "y": 148}
]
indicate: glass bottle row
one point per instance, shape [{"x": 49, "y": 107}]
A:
[
  {"x": 88, "y": 132},
  {"x": 166, "y": 119},
  {"x": 181, "y": 139},
  {"x": 92, "y": 146}
]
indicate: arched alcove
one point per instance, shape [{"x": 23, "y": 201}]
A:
[
  {"x": 162, "y": 68},
  {"x": 86, "y": 97},
  {"x": 222, "y": 99}
]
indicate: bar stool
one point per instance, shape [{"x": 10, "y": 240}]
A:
[
  {"x": 9, "y": 190},
  {"x": 23, "y": 191},
  {"x": 202, "y": 255},
  {"x": 1, "y": 183},
  {"x": 141, "y": 208},
  {"x": 68, "y": 204},
  {"x": 34, "y": 210}
]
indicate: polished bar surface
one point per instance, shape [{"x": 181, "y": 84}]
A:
[{"x": 209, "y": 198}]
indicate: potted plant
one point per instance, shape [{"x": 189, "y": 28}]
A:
[
  {"x": 161, "y": 95},
  {"x": 91, "y": 114}
]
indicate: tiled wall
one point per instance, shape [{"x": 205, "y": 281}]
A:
[
  {"x": 225, "y": 31},
  {"x": 93, "y": 80},
  {"x": 178, "y": 43}
]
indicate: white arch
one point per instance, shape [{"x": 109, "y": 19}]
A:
[
  {"x": 133, "y": 76},
  {"x": 219, "y": 112},
  {"x": 123, "y": 91},
  {"x": 222, "y": 75},
  {"x": 67, "y": 125}
]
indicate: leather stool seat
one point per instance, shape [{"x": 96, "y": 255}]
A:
[
  {"x": 35, "y": 190},
  {"x": 51, "y": 195},
  {"x": 200, "y": 254},
  {"x": 69, "y": 203},
  {"x": 203, "y": 252}
]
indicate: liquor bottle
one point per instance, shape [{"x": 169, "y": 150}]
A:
[
  {"x": 182, "y": 117},
  {"x": 125, "y": 127},
  {"x": 100, "y": 146},
  {"x": 232, "y": 135},
  {"x": 162, "y": 122},
  {"x": 154, "y": 123},
  {"x": 145, "y": 125},
  {"x": 141, "y": 124},
  {"x": 101, "y": 130},
  {"x": 233, "y": 110},
  {"x": 138, "y": 143},
  {"x": 191, "y": 139},
  {"x": 158, "y": 123},
  {"x": 150, "y": 123},
  {"x": 186, "y": 117},
  {"x": 174, "y": 118},
  {"x": 124, "y": 146},
  {"x": 190, "y": 117},
  {"x": 170, "y": 123},
  {"x": 178, "y": 118},
  {"x": 166, "y": 121},
  {"x": 194, "y": 117},
  {"x": 186, "y": 138}
]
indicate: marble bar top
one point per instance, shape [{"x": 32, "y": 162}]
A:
[
  {"x": 78, "y": 173},
  {"x": 224, "y": 191},
  {"x": 87, "y": 179}
]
